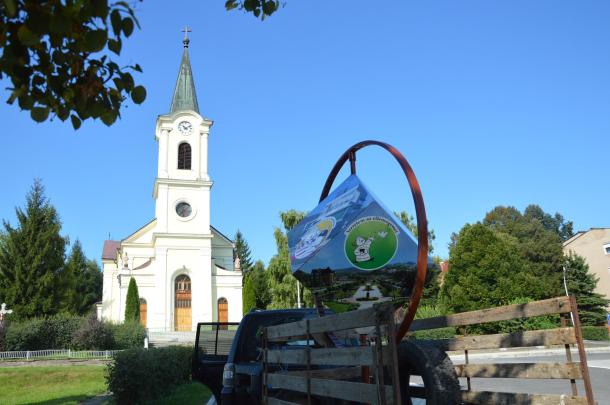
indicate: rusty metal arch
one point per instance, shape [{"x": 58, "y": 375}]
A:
[{"x": 420, "y": 213}]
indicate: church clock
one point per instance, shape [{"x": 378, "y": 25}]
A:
[{"x": 185, "y": 128}]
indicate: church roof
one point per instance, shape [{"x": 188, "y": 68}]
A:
[
  {"x": 109, "y": 251},
  {"x": 184, "y": 93}
]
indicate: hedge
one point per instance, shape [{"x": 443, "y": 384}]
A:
[
  {"x": 595, "y": 333},
  {"x": 71, "y": 332},
  {"x": 138, "y": 375}
]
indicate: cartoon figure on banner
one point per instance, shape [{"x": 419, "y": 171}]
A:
[
  {"x": 314, "y": 237},
  {"x": 362, "y": 248}
]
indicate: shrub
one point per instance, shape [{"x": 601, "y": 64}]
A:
[
  {"x": 60, "y": 330},
  {"x": 93, "y": 335},
  {"x": 128, "y": 335},
  {"x": 41, "y": 334},
  {"x": 440, "y": 333},
  {"x": 431, "y": 311},
  {"x": 132, "y": 302},
  {"x": 595, "y": 333},
  {"x": 26, "y": 335},
  {"x": 138, "y": 375}
]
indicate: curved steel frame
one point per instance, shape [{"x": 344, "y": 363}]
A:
[{"x": 420, "y": 213}]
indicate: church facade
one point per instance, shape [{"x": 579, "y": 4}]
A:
[{"x": 182, "y": 265}]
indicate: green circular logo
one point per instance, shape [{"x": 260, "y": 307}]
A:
[{"x": 371, "y": 242}]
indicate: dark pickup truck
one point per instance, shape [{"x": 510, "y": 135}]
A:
[{"x": 228, "y": 356}]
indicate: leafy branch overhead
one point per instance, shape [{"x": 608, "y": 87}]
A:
[
  {"x": 260, "y": 8},
  {"x": 57, "y": 55}
]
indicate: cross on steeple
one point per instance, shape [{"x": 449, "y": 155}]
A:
[{"x": 186, "y": 40}]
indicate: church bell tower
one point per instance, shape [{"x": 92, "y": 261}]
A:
[{"x": 182, "y": 187}]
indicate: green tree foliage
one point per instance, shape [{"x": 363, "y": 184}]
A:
[
  {"x": 283, "y": 285},
  {"x": 432, "y": 284},
  {"x": 539, "y": 244},
  {"x": 259, "y": 8},
  {"x": 58, "y": 57},
  {"x": 555, "y": 223},
  {"x": 32, "y": 258},
  {"x": 581, "y": 284},
  {"x": 132, "y": 302},
  {"x": 256, "y": 294},
  {"x": 486, "y": 269},
  {"x": 411, "y": 225},
  {"x": 242, "y": 250},
  {"x": 83, "y": 282}
]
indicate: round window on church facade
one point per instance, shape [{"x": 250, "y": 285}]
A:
[{"x": 184, "y": 210}]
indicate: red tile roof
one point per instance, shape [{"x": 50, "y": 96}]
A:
[{"x": 110, "y": 249}]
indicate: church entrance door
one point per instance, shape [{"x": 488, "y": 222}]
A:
[
  {"x": 182, "y": 306},
  {"x": 223, "y": 311},
  {"x": 143, "y": 310}
]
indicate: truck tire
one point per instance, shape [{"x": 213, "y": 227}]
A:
[{"x": 441, "y": 385}]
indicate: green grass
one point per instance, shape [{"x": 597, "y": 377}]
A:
[
  {"x": 338, "y": 307},
  {"x": 187, "y": 394},
  {"x": 50, "y": 385}
]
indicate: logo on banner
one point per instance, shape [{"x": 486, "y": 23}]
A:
[{"x": 371, "y": 242}]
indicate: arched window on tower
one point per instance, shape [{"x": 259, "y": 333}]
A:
[{"x": 184, "y": 156}]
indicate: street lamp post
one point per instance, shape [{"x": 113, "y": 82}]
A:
[{"x": 565, "y": 285}]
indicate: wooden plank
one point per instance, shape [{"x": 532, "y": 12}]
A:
[
  {"x": 276, "y": 401},
  {"x": 556, "y": 305},
  {"x": 349, "y": 391},
  {"x": 509, "y": 398},
  {"x": 329, "y": 323},
  {"x": 340, "y": 373},
  {"x": 548, "y": 337},
  {"x": 341, "y": 356},
  {"x": 520, "y": 370}
]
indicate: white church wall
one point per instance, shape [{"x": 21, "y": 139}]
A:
[{"x": 176, "y": 245}]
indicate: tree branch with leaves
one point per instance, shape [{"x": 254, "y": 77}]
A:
[{"x": 58, "y": 58}]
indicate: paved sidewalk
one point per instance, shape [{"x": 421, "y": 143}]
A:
[
  {"x": 58, "y": 362},
  {"x": 591, "y": 347},
  {"x": 98, "y": 399}
]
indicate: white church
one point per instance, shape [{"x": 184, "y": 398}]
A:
[{"x": 182, "y": 265}]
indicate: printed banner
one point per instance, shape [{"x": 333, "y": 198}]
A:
[{"x": 353, "y": 251}]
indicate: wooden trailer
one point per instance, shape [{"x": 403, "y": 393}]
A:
[{"x": 370, "y": 374}]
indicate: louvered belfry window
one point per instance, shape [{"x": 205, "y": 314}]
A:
[{"x": 184, "y": 156}]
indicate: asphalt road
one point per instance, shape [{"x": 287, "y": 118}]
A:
[{"x": 599, "y": 369}]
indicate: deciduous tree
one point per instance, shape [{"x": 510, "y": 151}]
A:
[
  {"x": 283, "y": 284},
  {"x": 59, "y": 58},
  {"x": 539, "y": 244},
  {"x": 486, "y": 269}
]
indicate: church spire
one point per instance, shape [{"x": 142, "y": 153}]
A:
[{"x": 184, "y": 93}]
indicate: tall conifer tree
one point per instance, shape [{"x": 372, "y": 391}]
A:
[
  {"x": 32, "y": 258},
  {"x": 581, "y": 284},
  {"x": 83, "y": 281},
  {"x": 132, "y": 302},
  {"x": 243, "y": 252}
]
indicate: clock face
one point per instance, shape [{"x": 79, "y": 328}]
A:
[
  {"x": 184, "y": 210},
  {"x": 185, "y": 127}
]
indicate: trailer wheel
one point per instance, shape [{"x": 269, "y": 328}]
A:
[{"x": 441, "y": 385}]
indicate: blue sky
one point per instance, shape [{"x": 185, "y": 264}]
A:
[{"x": 503, "y": 102}]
